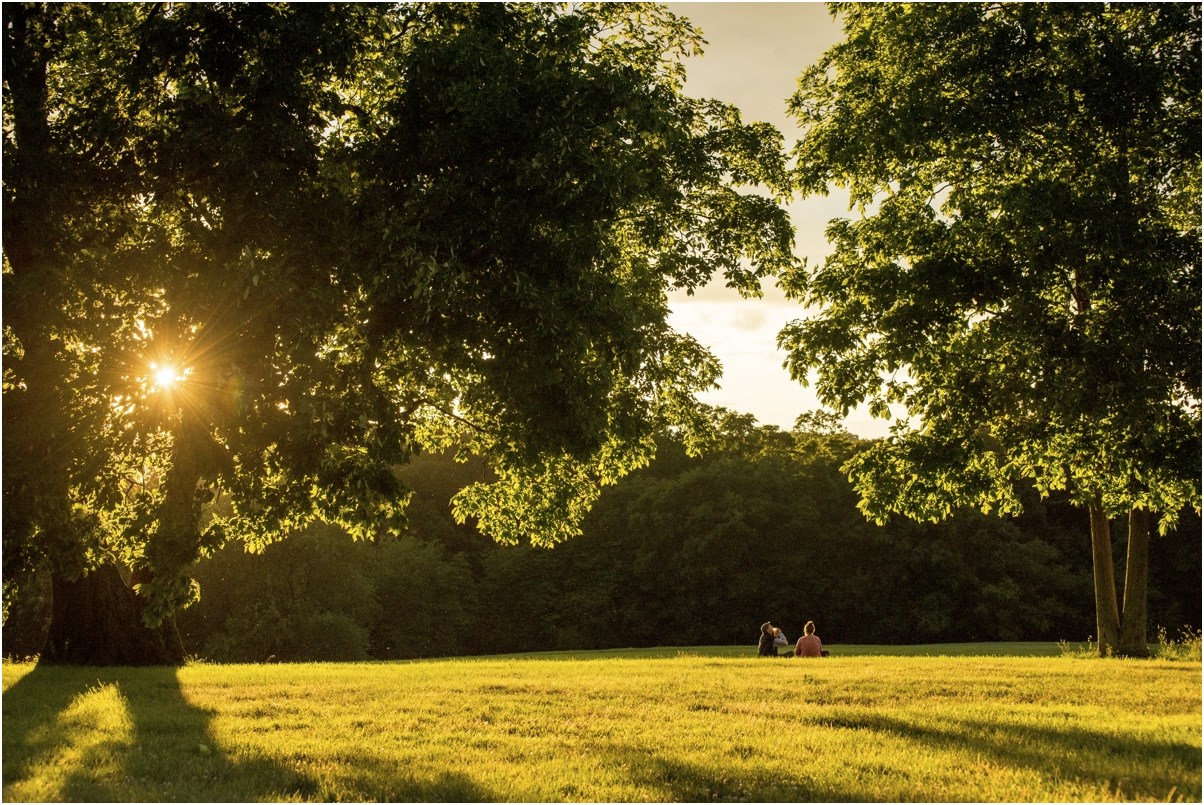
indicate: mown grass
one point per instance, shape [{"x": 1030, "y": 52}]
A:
[{"x": 699, "y": 725}]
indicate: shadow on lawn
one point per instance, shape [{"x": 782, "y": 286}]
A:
[
  {"x": 676, "y": 780},
  {"x": 379, "y": 780},
  {"x": 161, "y": 751},
  {"x": 1086, "y": 756},
  {"x": 1127, "y": 767}
]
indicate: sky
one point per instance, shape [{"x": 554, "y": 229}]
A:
[{"x": 754, "y": 55}]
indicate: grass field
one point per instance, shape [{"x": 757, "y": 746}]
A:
[{"x": 696, "y": 725}]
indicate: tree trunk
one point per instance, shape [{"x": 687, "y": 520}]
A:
[
  {"x": 97, "y": 620},
  {"x": 1134, "y": 620},
  {"x": 1107, "y": 615}
]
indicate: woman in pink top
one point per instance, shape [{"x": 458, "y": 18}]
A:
[{"x": 809, "y": 645}]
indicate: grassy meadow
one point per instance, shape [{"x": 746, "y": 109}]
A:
[{"x": 926, "y": 723}]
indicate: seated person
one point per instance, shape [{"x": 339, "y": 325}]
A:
[
  {"x": 809, "y": 644},
  {"x": 767, "y": 646}
]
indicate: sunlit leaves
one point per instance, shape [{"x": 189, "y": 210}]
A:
[
  {"x": 1021, "y": 275},
  {"x": 357, "y": 232}
]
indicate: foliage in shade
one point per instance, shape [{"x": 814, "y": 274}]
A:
[
  {"x": 357, "y": 232},
  {"x": 1023, "y": 276},
  {"x": 688, "y": 551}
]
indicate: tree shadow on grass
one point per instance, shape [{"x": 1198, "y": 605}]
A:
[
  {"x": 1129, "y": 766},
  {"x": 1126, "y": 766},
  {"x": 676, "y": 780},
  {"x": 125, "y": 734},
  {"x": 375, "y": 779}
]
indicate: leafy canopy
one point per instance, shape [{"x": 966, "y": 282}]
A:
[
  {"x": 355, "y": 232},
  {"x": 1023, "y": 275}
]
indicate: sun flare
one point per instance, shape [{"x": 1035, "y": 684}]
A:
[{"x": 165, "y": 376}]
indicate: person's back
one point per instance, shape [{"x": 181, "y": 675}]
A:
[{"x": 809, "y": 645}]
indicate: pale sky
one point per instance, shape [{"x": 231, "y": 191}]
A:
[{"x": 754, "y": 55}]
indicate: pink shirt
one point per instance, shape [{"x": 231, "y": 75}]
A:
[{"x": 808, "y": 646}]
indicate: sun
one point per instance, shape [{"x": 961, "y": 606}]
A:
[{"x": 165, "y": 375}]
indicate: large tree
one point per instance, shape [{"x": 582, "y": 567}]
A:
[
  {"x": 1023, "y": 274},
  {"x": 257, "y": 256}
]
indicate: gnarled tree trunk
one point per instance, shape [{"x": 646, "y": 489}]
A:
[{"x": 97, "y": 620}]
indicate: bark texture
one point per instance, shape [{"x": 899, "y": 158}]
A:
[
  {"x": 97, "y": 620},
  {"x": 1134, "y": 618},
  {"x": 1107, "y": 615}
]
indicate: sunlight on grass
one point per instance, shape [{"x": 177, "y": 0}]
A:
[
  {"x": 89, "y": 737},
  {"x": 626, "y": 727},
  {"x": 1186, "y": 647}
]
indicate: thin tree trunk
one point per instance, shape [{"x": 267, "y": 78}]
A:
[
  {"x": 1107, "y": 614},
  {"x": 1134, "y": 618},
  {"x": 97, "y": 620}
]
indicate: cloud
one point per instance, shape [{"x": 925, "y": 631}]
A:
[
  {"x": 748, "y": 319},
  {"x": 754, "y": 56}
]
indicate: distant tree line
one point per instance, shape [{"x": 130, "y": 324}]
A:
[{"x": 686, "y": 552}]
